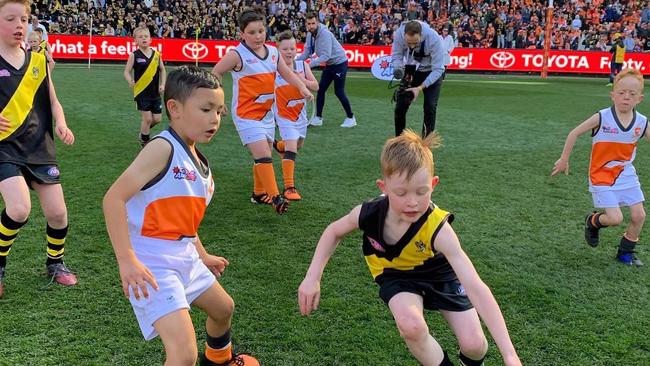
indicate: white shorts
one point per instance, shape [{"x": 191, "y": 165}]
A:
[
  {"x": 254, "y": 134},
  {"x": 618, "y": 198},
  {"x": 293, "y": 132},
  {"x": 181, "y": 276}
]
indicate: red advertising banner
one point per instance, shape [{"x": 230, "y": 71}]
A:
[{"x": 471, "y": 59}]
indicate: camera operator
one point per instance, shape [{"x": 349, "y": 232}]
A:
[{"x": 418, "y": 60}]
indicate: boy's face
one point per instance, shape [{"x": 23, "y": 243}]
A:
[
  {"x": 287, "y": 49},
  {"x": 143, "y": 39},
  {"x": 199, "y": 116},
  {"x": 34, "y": 43},
  {"x": 254, "y": 34},
  {"x": 408, "y": 198},
  {"x": 13, "y": 23},
  {"x": 627, "y": 93}
]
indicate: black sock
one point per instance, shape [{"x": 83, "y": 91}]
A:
[
  {"x": 144, "y": 137},
  {"x": 466, "y": 361},
  {"x": 626, "y": 246},
  {"x": 446, "y": 361}
]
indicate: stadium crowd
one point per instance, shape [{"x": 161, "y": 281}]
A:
[{"x": 577, "y": 24}]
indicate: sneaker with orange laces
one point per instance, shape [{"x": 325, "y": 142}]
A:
[
  {"x": 280, "y": 204},
  {"x": 237, "y": 360},
  {"x": 61, "y": 274},
  {"x": 291, "y": 193},
  {"x": 2, "y": 281},
  {"x": 261, "y": 199}
]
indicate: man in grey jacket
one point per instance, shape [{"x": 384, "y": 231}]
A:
[
  {"x": 418, "y": 57},
  {"x": 322, "y": 47}
]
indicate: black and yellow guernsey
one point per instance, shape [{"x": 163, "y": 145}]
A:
[
  {"x": 146, "y": 74},
  {"x": 25, "y": 102},
  {"x": 413, "y": 256}
]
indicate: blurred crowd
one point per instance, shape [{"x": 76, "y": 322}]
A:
[{"x": 577, "y": 24}]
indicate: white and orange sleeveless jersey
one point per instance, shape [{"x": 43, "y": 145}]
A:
[
  {"x": 290, "y": 107},
  {"x": 171, "y": 207},
  {"x": 613, "y": 151},
  {"x": 253, "y": 88}
]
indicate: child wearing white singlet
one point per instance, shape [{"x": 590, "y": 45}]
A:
[
  {"x": 613, "y": 182},
  {"x": 153, "y": 212},
  {"x": 253, "y": 66},
  {"x": 290, "y": 110}
]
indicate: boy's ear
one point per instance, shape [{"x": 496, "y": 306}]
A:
[
  {"x": 381, "y": 185},
  {"x": 173, "y": 107},
  {"x": 434, "y": 181}
]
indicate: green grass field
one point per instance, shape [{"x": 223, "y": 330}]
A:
[{"x": 565, "y": 303}]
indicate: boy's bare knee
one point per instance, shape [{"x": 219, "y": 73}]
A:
[
  {"x": 224, "y": 314},
  {"x": 615, "y": 219},
  {"x": 57, "y": 217},
  {"x": 638, "y": 217},
  {"x": 185, "y": 356},
  {"x": 19, "y": 212},
  {"x": 474, "y": 346},
  {"x": 412, "y": 328}
]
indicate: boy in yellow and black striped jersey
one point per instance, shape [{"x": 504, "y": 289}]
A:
[
  {"x": 36, "y": 45},
  {"x": 28, "y": 106},
  {"x": 415, "y": 257},
  {"x": 148, "y": 81}
]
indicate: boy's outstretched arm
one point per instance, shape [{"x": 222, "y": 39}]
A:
[
  {"x": 61, "y": 127},
  {"x": 293, "y": 79},
  {"x": 562, "y": 164},
  {"x": 127, "y": 70},
  {"x": 163, "y": 76},
  {"x": 147, "y": 165},
  {"x": 478, "y": 292},
  {"x": 309, "y": 290}
]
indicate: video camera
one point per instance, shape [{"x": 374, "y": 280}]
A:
[{"x": 405, "y": 77}]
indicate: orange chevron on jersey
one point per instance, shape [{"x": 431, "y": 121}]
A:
[
  {"x": 608, "y": 161},
  {"x": 255, "y": 97},
  {"x": 290, "y": 102}
]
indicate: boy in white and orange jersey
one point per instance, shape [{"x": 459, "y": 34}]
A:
[
  {"x": 613, "y": 182},
  {"x": 290, "y": 110},
  {"x": 253, "y": 66},
  {"x": 153, "y": 212}
]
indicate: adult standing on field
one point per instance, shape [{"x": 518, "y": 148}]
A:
[
  {"x": 418, "y": 56},
  {"x": 322, "y": 47}
]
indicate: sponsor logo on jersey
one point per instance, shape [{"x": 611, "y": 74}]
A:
[
  {"x": 637, "y": 132},
  {"x": 184, "y": 173},
  {"x": 420, "y": 246},
  {"x": 251, "y": 61},
  {"x": 4, "y": 73},
  {"x": 612, "y": 130},
  {"x": 375, "y": 244},
  {"x": 140, "y": 60},
  {"x": 35, "y": 72}
]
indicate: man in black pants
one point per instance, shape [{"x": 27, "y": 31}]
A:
[
  {"x": 321, "y": 47},
  {"x": 418, "y": 55}
]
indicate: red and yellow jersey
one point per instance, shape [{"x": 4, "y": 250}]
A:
[
  {"x": 171, "y": 207},
  {"x": 254, "y": 87},
  {"x": 613, "y": 151},
  {"x": 290, "y": 106}
]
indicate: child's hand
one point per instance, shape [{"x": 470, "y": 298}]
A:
[
  {"x": 215, "y": 264},
  {"x": 308, "y": 296},
  {"x": 131, "y": 83},
  {"x": 161, "y": 89},
  {"x": 4, "y": 124},
  {"x": 65, "y": 134},
  {"x": 561, "y": 165},
  {"x": 135, "y": 275},
  {"x": 306, "y": 94}
]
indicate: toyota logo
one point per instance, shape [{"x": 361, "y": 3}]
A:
[
  {"x": 502, "y": 59},
  {"x": 195, "y": 51}
]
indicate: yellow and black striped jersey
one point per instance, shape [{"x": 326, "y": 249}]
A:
[
  {"x": 413, "y": 256},
  {"x": 25, "y": 102},
  {"x": 146, "y": 73}
]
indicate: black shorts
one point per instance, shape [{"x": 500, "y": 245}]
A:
[
  {"x": 38, "y": 173},
  {"x": 153, "y": 105},
  {"x": 449, "y": 295}
]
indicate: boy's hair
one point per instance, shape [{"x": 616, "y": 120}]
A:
[
  {"x": 140, "y": 29},
  {"x": 413, "y": 27},
  {"x": 184, "y": 80},
  {"x": 311, "y": 15},
  {"x": 27, "y": 3},
  {"x": 284, "y": 36},
  {"x": 631, "y": 73},
  {"x": 408, "y": 153},
  {"x": 249, "y": 15},
  {"x": 34, "y": 35}
]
